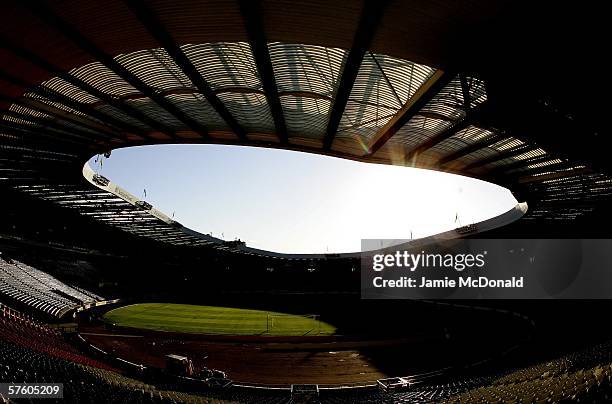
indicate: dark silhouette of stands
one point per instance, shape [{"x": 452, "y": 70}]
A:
[{"x": 32, "y": 352}]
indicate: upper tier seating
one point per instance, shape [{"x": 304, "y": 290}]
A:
[{"x": 39, "y": 290}]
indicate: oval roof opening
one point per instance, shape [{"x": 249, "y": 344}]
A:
[{"x": 293, "y": 202}]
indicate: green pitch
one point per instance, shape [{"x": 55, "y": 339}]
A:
[{"x": 215, "y": 320}]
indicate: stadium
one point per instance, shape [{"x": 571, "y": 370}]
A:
[{"x": 117, "y": 301}]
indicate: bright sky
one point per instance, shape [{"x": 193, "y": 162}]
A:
[{"x": 296, "y": 202}]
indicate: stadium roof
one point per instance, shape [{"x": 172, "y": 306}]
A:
[{"x": 439, "y": 85}]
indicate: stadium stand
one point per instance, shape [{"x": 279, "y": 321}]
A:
[
  {"x": 579, "y": 377},
  {"x": 39, "y": 290},
  {"x": 82, "y": 384},
  {"x": 583, "y": 376},
  {"x": 27, "y": 332},
  {"x": 31, "y": 351}
]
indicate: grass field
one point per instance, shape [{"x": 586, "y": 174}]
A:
[{"x": 215, "y": 320}]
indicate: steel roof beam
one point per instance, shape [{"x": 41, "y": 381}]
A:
[
  {"x": 471, "y": 117},
  {"x": 529, "y": 172},
  {"x": 552, "y": 175},
  {"x": 161, "y": 35},
  {"x": 27, "y": 132},
  {"x": 465, "y": 91},
  {"x": 58, "y": 114},
  {"x": 110, "y": 122},
  {"x": 519, "y": 163},
  {"x": 88, "y": 88},
  {"x": 419, "y": 99},
  {"x": 368, "y": 23},
  {"x": 42, "y": 11},
  {"x": 491, "y": 140},
  {"x": 253, "y": 22},
  {"x": 513, "y": 152},
  {"x": 50, "y": 124}
]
